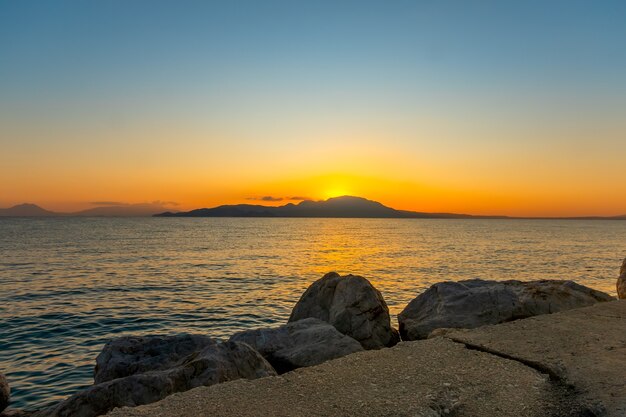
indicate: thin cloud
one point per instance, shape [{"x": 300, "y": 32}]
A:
[
  {"x": 165, "y": 203},
  {"x": 108, "y": 203},
  {"x": 121, "y": 203},
  {"x": 298, "y": 198},
  {"x": 266, "y": 198}
]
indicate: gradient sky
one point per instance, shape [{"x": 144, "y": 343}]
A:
[{"x": 485, "y": 107}]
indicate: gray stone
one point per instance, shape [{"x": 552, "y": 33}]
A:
[
  {"x": 301, "y": 343},
  {"x": 5, "y": 392},
  {"x": 621, "y": 282},
  {"x": 352, "y": 305},
  {"x": 138, "y": 354},
  {"x": 216, "y": 363},
  {"x": 473, "y": 303}
]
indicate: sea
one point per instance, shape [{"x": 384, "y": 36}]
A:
[{"x": 68, "y": 285}]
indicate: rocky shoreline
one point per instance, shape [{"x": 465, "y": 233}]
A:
[
  {"x": 568, "y": 364},
  {"x": 345, "y": 320}
]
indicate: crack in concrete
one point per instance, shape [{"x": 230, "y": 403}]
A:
[
  {"x": 570, "y": 393},
  {"x": 555, "y": 375}
]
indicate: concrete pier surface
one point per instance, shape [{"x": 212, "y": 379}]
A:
[{"x": 564, "y": 364}]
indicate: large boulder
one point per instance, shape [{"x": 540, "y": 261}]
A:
[
  {"x": 352, "y": 305},
  {"x": 5, "y": 392},
  {"x": 473, "y": 303},
  {"x": 131, "y": 355},
  {"x": 219, "y": 362},
  {"x": 621, "y": 282},
  {"x": 301, "y": 343}
]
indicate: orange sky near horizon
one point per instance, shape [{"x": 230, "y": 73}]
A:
[
  {"x": 504, "y": 188},
  {"x": 480, "y": 161},
  {"x": 426, "y": 162}
]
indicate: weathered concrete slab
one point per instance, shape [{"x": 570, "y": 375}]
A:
[
  {"x": 585, "y": 348},
  {"x": 435, "y": 377}
]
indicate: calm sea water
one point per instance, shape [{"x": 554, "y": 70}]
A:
[{"x": 69, "y": 284}]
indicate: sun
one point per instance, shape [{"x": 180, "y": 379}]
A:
[{"x": 335, "y": 191}]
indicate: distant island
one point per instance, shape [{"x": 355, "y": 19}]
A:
[
  {"x": 338, "y": 207},
  {"x": 26, "y": 210},
  {"x": 105, "y": 210}
]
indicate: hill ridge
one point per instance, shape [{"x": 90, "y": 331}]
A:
[{"x": 335, "y": 207}]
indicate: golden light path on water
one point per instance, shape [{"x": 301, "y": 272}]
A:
[{"x": 69, "y": 284}]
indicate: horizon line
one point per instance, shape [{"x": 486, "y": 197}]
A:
[{"x": 163, "y": 205}]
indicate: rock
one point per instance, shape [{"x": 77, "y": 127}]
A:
[
  {"x": 138, "y": 354},
  {"x": 5, "y": 392},
  {"x": 219, "y": 362},
  {"x": 301, "y": 343},
  {"x": 352, "y": 305},
  {"x": 473, "y": 303},
  {"x": 621, "y": 282}
]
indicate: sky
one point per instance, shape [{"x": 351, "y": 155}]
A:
[{"x": 480, "y": 107}]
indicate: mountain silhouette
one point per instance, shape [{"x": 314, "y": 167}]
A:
[
  {"x": 122, "y": 210},
  {"x": 118, "y": 210},
  {"x": 339, "y": 207},
  {"x": 26, "y": 210}
]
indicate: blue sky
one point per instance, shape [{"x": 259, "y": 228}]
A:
[{"x": 77, "y": 47}]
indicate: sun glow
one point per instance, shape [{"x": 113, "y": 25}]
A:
[{"x": 336, "y": 191}]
